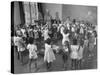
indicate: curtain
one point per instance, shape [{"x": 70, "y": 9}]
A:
[
  {"x": 31, "y": 12},
  {"x": 22, "y": 15}
]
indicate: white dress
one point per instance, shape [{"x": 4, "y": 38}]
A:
[
  {"x": 80, "y": 53},
  {"x": 49, "y": 55},
  {"x": 74, "y": 51},
  {"x": 32, "y": 51}
]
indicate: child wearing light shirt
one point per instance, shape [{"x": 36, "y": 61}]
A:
[
  {"x": 32, "y": 54},
  {"x": 80, "y": 55},
  {"x": 66, "y": 50},
  {"x": 74, "y": 53}
]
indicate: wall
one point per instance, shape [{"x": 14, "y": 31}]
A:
[
  {"x": 16, "y": 14},
  {"x": 80, "y": 12},
  {"x": 53, "y": 8}
]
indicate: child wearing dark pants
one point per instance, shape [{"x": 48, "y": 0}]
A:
[
  {"x": 48, "y": 65},
  {"x": 65, "y": 53},
  {"x": 79, "y": 64},
  {"x": 65, "y": 58},
  {"x": 74, "y": 54},
  {"x": 80, "y": 55},
  {"x": 74, "y": 64}
]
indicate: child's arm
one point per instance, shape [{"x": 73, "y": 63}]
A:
[
  {"x": 35, "y": 48},
  {"x": 27, "y": 47}
]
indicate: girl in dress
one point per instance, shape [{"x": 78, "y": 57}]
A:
[
  {"x": 91, "y": 44},
  {"x": 74, "y": 53},
  {"x": 49, "y": 56},
  {"x": 80, "y": 54},
  {"x": 32, "y": 54}
]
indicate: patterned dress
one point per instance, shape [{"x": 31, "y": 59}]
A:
[{"x": 32, "y": 51}]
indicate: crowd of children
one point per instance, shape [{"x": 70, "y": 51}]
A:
[{"x": 75, "y": 36}]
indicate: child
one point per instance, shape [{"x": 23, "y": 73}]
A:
[
  {"x": 65, "y": 35},
  {"x": 45, "y": 34},
  {"x": 80, "y": 55},
  {"x": 18, "y": 41},
  {"x": 74, "y": 53},
  {"x": 32, "y": 54},
  {"x": 86, "y": 42},
  {"x": 49, "y": 56},
  {"x": 54, "y": 30},
  {"x": 66, "y": 49},
  {"x": 91, "y": 44}
]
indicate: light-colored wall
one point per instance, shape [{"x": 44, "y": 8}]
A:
[
  {"x": 53, "y": 8},
  {"x": 80, "y": 12}
]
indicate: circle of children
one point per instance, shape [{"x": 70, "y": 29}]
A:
[{"x": 40, "y": 41}]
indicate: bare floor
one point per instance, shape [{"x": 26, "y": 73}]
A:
[{"x": 57, "y": 65}]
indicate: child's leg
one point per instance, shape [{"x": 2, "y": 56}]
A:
[
  {"x": 75, "y": 64},
  {"x": 64, "y": 58},
  {"x": 30, "y": 62},
  {"x": 66, "y": 61},
  {"x": 80, "y": 63},
  {"x": 35, "y": 63},
  {"x": 72, "y": 63},
  {"x": 22, "y": 57},
  {"x": 49, "y": 65}
]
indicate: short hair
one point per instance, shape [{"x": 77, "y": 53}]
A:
[
  {"x": 31, "y": 40},
  {"x": 48, "y": 41},
  {"x": 65, "y": 31},
  {"x": 66, "y": 43},
  {"x": 74, "y": 41}
]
